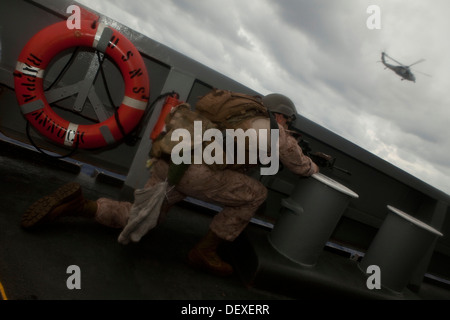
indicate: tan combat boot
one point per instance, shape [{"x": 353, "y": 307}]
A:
[
  {"x": 204, "y": 256},
  {"x": 66, "y": 201}
]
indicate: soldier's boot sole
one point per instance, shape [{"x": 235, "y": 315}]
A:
[{"x": 40, "y": 211}]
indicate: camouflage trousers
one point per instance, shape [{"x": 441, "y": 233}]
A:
[{"x": 237, "y": 194}]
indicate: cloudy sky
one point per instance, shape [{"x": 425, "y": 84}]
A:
[{"x": 323, "y": 55}]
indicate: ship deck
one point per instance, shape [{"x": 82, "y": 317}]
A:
[{"x": 34, "y": 263}]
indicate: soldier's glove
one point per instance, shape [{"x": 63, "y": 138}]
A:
[{"x": 322, "y": 159}]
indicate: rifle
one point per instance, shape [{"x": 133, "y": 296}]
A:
[{"x": 321, "y": 159}]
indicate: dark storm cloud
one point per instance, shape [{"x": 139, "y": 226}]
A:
[{"x": 322, "y": 55}]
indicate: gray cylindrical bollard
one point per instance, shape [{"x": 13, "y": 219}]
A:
[
  {"x": 309, "y": 217},
  {"x": 398, "y": 247}
]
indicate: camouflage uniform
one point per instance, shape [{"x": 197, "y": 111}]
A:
[{"x": 238, "y": 194}]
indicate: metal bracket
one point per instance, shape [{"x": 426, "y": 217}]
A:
[
  {"x": 85, "y": 90},
  {"x": 86, "y": 84}
]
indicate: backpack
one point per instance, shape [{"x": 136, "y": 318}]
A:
[{"x": 227, "y": 109}]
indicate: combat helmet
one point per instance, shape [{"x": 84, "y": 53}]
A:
[{"x": 278, "y": 103}]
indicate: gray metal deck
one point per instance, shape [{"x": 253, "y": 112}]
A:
[{"x": 34, "y": 263}]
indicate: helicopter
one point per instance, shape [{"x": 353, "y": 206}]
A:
[{"x": 402, "y": 70}]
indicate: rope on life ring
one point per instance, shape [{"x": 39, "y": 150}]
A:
[{"x": 29, "y": 75}]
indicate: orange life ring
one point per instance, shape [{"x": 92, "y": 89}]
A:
[{"x": 43, "y": 47}]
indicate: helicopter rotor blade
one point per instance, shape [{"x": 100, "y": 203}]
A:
[
  {"x": 394, "y": 59},
  {"x": 425, "y": 74},
  {"x": 421, "y": 60}
]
